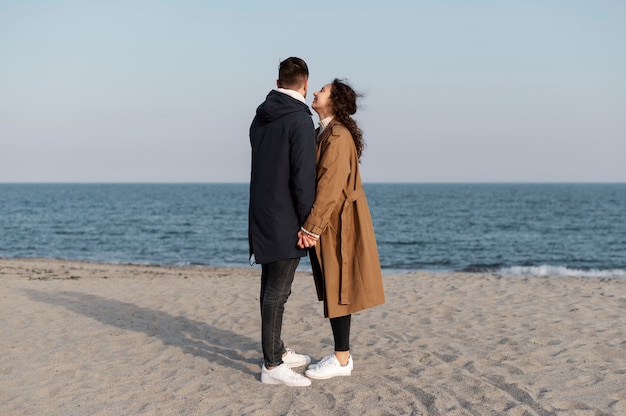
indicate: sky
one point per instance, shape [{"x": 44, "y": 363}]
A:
[{"x": 453, "y": 91}]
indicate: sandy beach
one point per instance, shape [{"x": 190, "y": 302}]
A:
[{"x": 100, "y": 339}]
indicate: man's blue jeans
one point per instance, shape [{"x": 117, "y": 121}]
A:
[{"x": 276, "y": 280}]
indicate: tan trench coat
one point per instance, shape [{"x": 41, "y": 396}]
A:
[{"x": 345, "y": 262}]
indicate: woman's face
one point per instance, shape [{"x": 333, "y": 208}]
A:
[{"x": 321, "y": 101}]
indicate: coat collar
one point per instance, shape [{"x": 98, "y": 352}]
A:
[{"x": 329, "y": 130}]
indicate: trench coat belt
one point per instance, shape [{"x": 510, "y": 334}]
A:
[{"x": 347, "y": 264}]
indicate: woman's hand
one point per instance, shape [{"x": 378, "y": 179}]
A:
[{"x": 305, "y": 240}]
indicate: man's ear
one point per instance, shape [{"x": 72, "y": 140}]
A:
[
  {"x": 277, "y": 84},
  {"x": 306, "y": 87}
]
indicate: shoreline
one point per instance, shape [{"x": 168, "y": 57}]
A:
[
  {"x": 97, "y": 338},
  {"x": 544, "y": 271}
]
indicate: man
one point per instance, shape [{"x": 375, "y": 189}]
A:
[{"x": 282, "y": 191}]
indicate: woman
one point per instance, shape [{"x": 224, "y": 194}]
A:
[{"x": 345, "y": 262}]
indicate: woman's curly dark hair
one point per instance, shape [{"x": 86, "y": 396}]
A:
[{"x": 344, "y": 101}]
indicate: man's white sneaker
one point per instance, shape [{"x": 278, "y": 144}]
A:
[
  {"x": 329, "y": 367},
  {"x": 283, "y": 375},
  {"x": 293, "y": 359}
]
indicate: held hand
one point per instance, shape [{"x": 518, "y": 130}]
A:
[
  {"x": 309, "y": 241},
  {"x": 305, "y": 240},
  {"x": 301, "y": 240}
]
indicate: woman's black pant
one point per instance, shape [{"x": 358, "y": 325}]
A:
[{"x": 341, "y": 332}]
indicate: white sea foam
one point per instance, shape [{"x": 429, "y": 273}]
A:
[{"x": 547, "y": 270}]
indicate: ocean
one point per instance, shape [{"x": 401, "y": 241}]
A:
[{"x": 505, "y": 229}]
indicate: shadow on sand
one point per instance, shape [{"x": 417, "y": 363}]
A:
[{"x": 217, "y": 345}]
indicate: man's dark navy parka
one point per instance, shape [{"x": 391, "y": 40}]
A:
[{"x": 282, "y": 180}]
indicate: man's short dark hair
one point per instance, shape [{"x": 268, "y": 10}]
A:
[{"x": 292, "y": 73}]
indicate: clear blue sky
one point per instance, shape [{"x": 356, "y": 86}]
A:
[{"x": 455, "y": 91}]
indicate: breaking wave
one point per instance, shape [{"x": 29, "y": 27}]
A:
[{"x": 546, "y": 270}]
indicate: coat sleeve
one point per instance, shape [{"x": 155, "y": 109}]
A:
[
  {"x": 333, "y": 172},
  {"x": 302, "y": 167}
]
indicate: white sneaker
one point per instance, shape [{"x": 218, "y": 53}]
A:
[
  {"x": 293, "y": 359},
  {"x": 328, "y": 357},
  {"x": 283, "y": 375},
  {"x": 329, "y": 367}
]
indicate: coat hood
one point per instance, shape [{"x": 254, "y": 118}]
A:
[{"x": 277, "y": 105}]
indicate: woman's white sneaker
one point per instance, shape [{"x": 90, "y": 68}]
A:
[
  {"x": 329, "y": 367},
  {"x": 283, "y": 375},
  {"x": 328, "y": 357}
]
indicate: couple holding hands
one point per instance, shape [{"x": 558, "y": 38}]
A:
[{"x": 306, "y": 197}]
